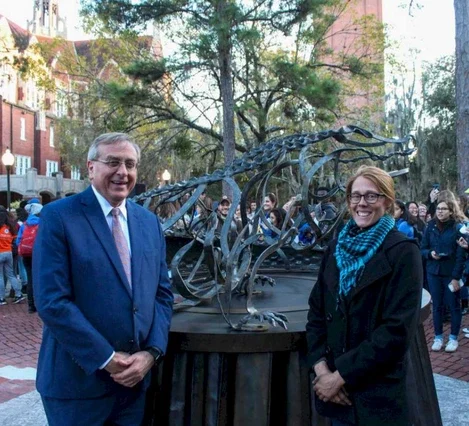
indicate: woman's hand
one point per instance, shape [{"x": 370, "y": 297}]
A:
[
  {"x": 463, "y": 243},
  {"x": 321, "y": 368},
  {"x": 342, "y": 398},
  {"x": 328, "y": 385},
  {"x": 434, "y": 255}
]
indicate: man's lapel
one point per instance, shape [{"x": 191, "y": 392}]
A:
[
  {"x": 94, "y": 214},
  {"x": 136, "y": 242}
]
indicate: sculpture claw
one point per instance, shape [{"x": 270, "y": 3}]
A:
[
  {"x": 259, "y": 279},
  {"x": 273, "y": 318},
  {"x": 263, "y": 280}
]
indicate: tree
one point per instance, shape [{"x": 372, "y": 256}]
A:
[
  {"x": 437, "y": 150},
  {"x": 404, "y": 100},
  {"x": 461, "y": 9},
  {"x": 244, "y": 72}
]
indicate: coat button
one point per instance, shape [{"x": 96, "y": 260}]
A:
[
  {"x": 329, "y": 317},
  {"x": 135, "y": 310},
  {"x": 131, "y": 341},
  {"x": 328, "y": 350}
]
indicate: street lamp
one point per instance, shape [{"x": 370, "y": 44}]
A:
[
  {"x": 166, "y": 177},
  {"x": 8, "y": 159}
]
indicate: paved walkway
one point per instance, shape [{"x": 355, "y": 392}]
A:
[
  {"x": 456, "y": 364},
  {"x": 20, "y": 337}
]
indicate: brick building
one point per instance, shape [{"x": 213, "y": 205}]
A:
[
  {"x": 346, "y": 37},
  {"x": 28, "y": 111}
]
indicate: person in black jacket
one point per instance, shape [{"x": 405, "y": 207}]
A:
[
  {"x": 444, "y": 267},
  {"x": 364, "y": 310}
]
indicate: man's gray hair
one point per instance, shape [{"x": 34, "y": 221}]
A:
[{"x": 110, "y": 139}]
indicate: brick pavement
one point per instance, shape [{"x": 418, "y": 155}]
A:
[
  {"x": 20, "y": 337},
  {"x": 456, "y": 364}
]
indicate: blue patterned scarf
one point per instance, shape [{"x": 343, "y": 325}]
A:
[{"x": 354, "y": 249}]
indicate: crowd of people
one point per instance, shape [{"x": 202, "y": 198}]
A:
[
  {"x": 271, "y": 219},
  {"x": 438, "y": 225},
  {"x": 17, "y": 232},
  {"x": 101, "y": 277},
  {"x": 435, "y": 224}
]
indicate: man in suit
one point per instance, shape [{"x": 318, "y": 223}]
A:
[{"x": 103, "y": 293}]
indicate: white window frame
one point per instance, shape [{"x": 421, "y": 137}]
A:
[
  {"x": 51, "y": 136},
  {"x": 22, "y": 164},
  {"x": 51, "y": 167},
  {"x": 61, "y": 104},
  {"x": 22, "y": 128},
  {"x": 41, "y": 120},
  {"x": 75, "y": 173}
]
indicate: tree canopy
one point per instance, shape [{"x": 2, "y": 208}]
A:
[{"x": 242, "y": 71}]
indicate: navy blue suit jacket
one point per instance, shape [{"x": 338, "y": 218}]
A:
[{"x": 82, "y": 295}]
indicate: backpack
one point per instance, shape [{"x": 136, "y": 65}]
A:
[{"x": 27, "y": 240}]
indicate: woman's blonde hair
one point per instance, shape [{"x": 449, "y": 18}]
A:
[{"x": 380, "y": 178}]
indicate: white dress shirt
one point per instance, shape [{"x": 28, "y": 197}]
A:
[{"x": 106, "y": 208}]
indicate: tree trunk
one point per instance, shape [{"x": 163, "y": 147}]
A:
[
  {"x": 226, "y": 84},
  {"x": 461, "y": 9}
]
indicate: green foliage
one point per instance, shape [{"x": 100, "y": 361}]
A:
[
  {"x": 437, "y": 153},
  {"x": 146, "y": 70},
  {"x": 439, "y": 86},
  {"x": 182, "y": 146},
  {"x": 275, "y": 88}
]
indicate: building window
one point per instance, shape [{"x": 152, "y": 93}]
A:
[
  {"x": 75, "y": 173},
  {"x": 61, "y": 104},
  {"x": 32, "y": 95},
  {"x": 41, "y": 120},
  {"x": 51, "y": 136},
  {"x": 22, "y": 128},
  {"x": 51, "y": 167},
  {"x": 22, "y": 163}
]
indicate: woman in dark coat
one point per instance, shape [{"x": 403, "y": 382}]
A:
[
  {"x": 445, "y": 266},
  {"x": 364, "y": 311}
]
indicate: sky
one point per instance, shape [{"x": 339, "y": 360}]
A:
[
  {"x": 20, "y": 11},
  {"x": 431, "y": 29}
]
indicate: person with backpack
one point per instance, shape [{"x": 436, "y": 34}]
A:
[
  {"x": 25, "y": 242},
  {"x": 7, "y": 235},
  {"x": 21, "y": 216}
]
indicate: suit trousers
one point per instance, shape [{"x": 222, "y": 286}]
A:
[{"x": 124, "y": 408}]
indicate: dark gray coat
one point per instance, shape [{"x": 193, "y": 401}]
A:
[{"x": 366, "y": 336}]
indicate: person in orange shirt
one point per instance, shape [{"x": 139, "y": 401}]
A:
[{"x": 7, "y": 235}]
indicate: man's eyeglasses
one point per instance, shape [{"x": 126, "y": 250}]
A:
[
  {"x": 115, "y": 164},
  {"x": 370, "y": 197}
]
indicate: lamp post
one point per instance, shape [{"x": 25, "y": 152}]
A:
[
  {"x": 8, "y": 159},
  {"x": 166, "y": 177}
]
